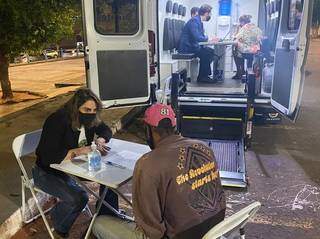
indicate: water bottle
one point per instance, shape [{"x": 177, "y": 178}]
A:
[
  {"x": 94, "y": 159},
  {"x": 267, "y": 78}
]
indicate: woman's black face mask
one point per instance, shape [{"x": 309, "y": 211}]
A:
[
  {"x": 86, "y": 119},
  {"x": 149, "y": 137}
]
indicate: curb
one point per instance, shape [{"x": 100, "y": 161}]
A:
[
  {"x": 14, "y": 223},
  {"x": 45, "y": 61},
  {"x": 126, "y": 119},
  {"x": 10, "y": 226},
  {"x": 19, "y": 112}
]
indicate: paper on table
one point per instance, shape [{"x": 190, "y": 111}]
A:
[
  {"x": 123, "y": 158},
  {"x": 129, "y": 155}
]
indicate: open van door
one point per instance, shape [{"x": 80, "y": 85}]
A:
[
  {"x": 117, "y": 39},
  {"x": 290, "y": 56}
]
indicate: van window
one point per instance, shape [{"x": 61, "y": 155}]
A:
[
  {"x": 116, "y": 17},
  {"x": 295, "y": 14}
]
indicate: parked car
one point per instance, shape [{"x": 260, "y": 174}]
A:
[
  {"x": 34, "y": 58},
  {"x": 22, "y": 58},
  {"x": 50, "y": 53},
  {"x": 69, "y": 52}
]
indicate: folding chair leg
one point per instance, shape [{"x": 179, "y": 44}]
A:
[
  {"x": 42, "y": 213},
  {"x": 23, "y": 200},
  {"x": 242, "y": 233},
  {"x": 37, "y": 216},
  {"x": 88, "y": 211}
]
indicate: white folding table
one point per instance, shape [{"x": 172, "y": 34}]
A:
[
  {"x": 218, "y": 43},
  {"x": 117, "y": 169}
]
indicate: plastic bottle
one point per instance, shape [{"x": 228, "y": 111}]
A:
[
  {"x": 267, "y": 78},
  {"x": 94, "y": 159}
]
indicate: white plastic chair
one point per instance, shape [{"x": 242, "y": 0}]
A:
[
  {"x": 23, "y": 145},
  {"x": 236, "y": 221}
]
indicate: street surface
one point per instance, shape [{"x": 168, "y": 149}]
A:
[
  {"x": 285, "y": 174},
  {"x": 283, "y": 166},
  {"x": 41, "y": 78},
  {"x": 45, "y": 75}
]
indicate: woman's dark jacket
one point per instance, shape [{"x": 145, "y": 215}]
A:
[{"x": 58, "y": 138}]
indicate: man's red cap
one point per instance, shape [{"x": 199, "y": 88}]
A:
[{"x": 157, "y": 112}]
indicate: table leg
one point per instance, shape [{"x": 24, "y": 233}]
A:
[
  {"x": 122, "y": 196},
  {"x": 102, "y": 201},
  {"x": 98, "y": 197},
  {"x": 96, "y": 213}
]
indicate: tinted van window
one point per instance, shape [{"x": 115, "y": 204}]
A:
[{"x": 116, "y": 17}]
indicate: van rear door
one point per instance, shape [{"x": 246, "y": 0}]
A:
[
  {"x": 117, "y": 39},
  {"x": 290, "y": 56}
]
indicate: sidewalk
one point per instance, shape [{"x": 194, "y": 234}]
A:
[{"x": 41, "y": 79}]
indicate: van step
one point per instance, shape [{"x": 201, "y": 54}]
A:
[
  {"x": 231, "y": 162},
  {"x": 227, "y": 154}
]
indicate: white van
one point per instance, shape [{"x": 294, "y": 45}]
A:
[{"x": 130, "y": 60}]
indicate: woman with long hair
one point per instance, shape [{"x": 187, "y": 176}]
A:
[{"x": 60, "y": 140}]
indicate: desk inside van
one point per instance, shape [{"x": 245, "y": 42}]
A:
[{"x": 219, "y": 43}]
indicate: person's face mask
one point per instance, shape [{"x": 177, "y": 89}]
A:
[
  {"x": 149, "y": 137},
  {"x": 208, "y": 17},
  {"x": 86, "y": 119}
]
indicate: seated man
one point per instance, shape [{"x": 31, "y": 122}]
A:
[
  {"x": 177, "y": 191},
  {"x": 192, "y": 34}
]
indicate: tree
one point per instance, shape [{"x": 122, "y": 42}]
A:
[{"x": 30, "y": 25}]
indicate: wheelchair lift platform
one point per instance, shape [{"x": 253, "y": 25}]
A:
[
  {"x": 231, "y": 161},
  {"x": 228, "y": 86}
]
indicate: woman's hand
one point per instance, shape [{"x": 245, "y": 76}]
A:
[
  {"x": 100, "y": 141},
  {"x": 72, "y": 153},
  {"x": 83, "y": 150},
  {"x": 101, "y": 146}
]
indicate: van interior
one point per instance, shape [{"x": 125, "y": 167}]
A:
[{"x": 223, "y": 25}]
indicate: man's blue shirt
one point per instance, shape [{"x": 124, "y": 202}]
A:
[{"x": 192, "y": 34}]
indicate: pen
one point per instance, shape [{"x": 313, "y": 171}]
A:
[{"x": 115, "y": 165}]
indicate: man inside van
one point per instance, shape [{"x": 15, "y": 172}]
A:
[
  {"x": 192, "y": 34},
  {"x": 177, "y": 191}
]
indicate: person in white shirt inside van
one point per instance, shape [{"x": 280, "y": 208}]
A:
[{"x": 248, "y": 42}]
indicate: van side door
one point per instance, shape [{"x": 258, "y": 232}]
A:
[{"x": 290, "y": 56}]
